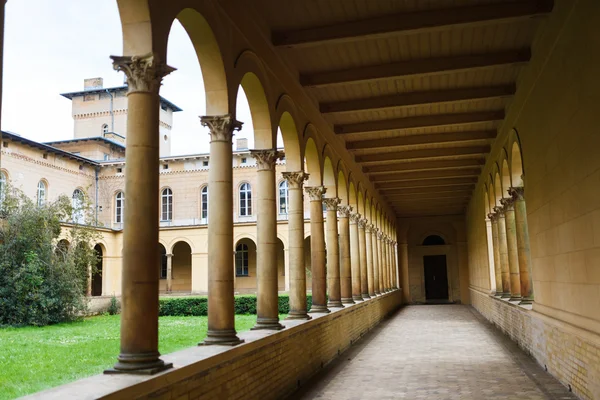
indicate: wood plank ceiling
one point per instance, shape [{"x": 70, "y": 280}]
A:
[{"x": 416, "y": 88}]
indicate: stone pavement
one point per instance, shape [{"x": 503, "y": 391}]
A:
[{"x": 434, "y": 352}]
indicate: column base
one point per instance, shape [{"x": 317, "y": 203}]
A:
[
  {"x": 319, "y": 309},
  {"x": 371, "y": 295},
  {"x": 347, "y": 300},
  {"x": 223, "y": 338},
  {"x": 526, "y": 300},
  {"x": 505, "y": 295},
  {"x": 358, "y": 298},
  {"x": 497, "y": 294},
  {"x": 515, "y": 298},
  {"x": 377, "y": 293},
  {"x": 139, "y": 364},
  {"x": 298, "y": 315},
  {"x": 335, "y": 304},
  {"x": 268, "y": 324},
  {"x": 365, "y": 296}
]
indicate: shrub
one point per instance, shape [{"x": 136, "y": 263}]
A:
[{"x": 114, "y": 307}]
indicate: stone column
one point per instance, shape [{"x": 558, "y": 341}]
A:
[
  {"x": 384, "y": 266},
  {"x": 333, "y": 253},
  {"x": 364, "y": 273},
  {"x": 523, "y": 248},
  {"x": 221, "y": 315},
  {"x": 496, "y": 252},
  {"x": 139, "y": 317},
  {"x": 503, "y": 251},
  {"x": 267, "y": 301},
  {"x": 404, "y": 272},
  {"x": 369, "y": 256},
  {"x": 395, "y": 258},
  {"x": 297, "y": 272},
  {"x": 513, "y": 255},
  {"x": 376, "y": 279},
  {"x": 317, "y": 250},
  {"x": 355, "y": 255},
  {"x": 380, "y": 262},
  {"x": 345, "y": 261},
  {"x": 388, "y": 262},
  {"x": 169, "y": 272}
]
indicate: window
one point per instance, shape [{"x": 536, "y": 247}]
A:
[
  {"x": 205, "y": 163},
  {"x": 241, "y": 260},
  {"x": 283, "y": 197},
  {"x": 77, "y": 203},
  {"x": 245, "y": 200},
  {"x": 163, "y": 263},
  {"x": 105, "y": 128},
  {"x": 165, "y": 166},
  {"x": 3, "y": 182},
  {"x": 106, "y": 157},
  {"x": 119, "y": 170},
  {"x": 243, "y": 160},
  {"x": 167, "y": 205},
  {"x": 204, "y": 202},
  {"x": 119, "y": 207},
  {"x": 41, "y": 193}
]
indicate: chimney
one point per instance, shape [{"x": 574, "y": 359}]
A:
[
  {"x": 93, "y": 84},
  {"x": 241, "y": 144}
]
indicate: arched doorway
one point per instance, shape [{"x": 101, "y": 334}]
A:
[
  {"x": 435, "y": 271},
  {"x": 182, "y": 267},
  {"x": 245, "y": 266},
  {"x": 97, "y": 274}
]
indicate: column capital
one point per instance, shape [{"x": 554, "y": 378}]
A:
[
  {"x": 517, "y": 193},
  {"x": 493, "y": 216},
  {"x": 345, "y": 211},
  {"x": 355, "y": 217},
  {"x": 379, "y": 234},
  {"x": 144, "y": 73},
  {"x": 295, "y": 179},
  {"x": 168, "y": 255},
  {"x": 221, "y": 127},
  {"x": 331, "y": 204},
  {"x": 508, "y": 204},
  {"x": 499, "y": 211},
  {"x": 315, "y": 193},
  {"x": 370, "y": 228},
  {"x": 363, "y": 223},
  {"x": 266, "y": 158}
]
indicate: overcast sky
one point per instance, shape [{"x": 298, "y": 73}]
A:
[{"x": 51, "y": 46}]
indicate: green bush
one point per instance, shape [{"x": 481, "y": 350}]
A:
[
  {"x": 114, "y": 307},
  {"x": 198, "y": 306}
]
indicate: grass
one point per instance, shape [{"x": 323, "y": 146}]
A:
[{"x": 34, "y": 359}]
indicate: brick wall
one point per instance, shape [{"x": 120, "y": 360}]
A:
[{"x": 571, "y": 354}]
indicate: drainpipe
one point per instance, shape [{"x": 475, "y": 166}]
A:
[
  {"x": 112, "y": 114},
  {"x": 96, "y": 171}
]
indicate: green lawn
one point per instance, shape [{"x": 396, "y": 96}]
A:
[{"x": 33, "y": 359}]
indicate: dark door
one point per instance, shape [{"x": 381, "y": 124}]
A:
[{"x": 436, "y": 278}]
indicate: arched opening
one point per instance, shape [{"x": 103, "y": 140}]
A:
[
  {"x": 62, "y": 247},
  {"x": 307, "y": 263},
  {"x": 181, "y": 267},
  {"x": 313, "y": 163},
  {"x": 342, "y": 188},
  {"x": 162, "y": 267},
  {"x": 329, "y": 179},
  {"x": 490, "y": 240},
  {"x": 256, "y": 100},
  {"x": 497, "y": 190},
  {"x": 434, "y": 240},
  {"x": 516, "y": 165},
  {"x": 291, "y": 144},
  {"x": 97, "y": 273},
  {"x": 280, "y": 264},
  {"x": 245, "y": 266},
  {"x": 505, "y": 179}
]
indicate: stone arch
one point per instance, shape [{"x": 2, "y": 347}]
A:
[
  {"x": 424, "y": 235},
  {"x": 178, "y": 239},
  {"x": 433, "y": 240},
  {"x": 505, "y": 174},
  {"x": 352, "y": 196},
  {"x": 286, "y": 115},
  {"x": 136, "y": 25},
  {"x": 516, "y": 165},
  {"x": 497, "y": 186},
  {"x": 312, "y": 160},
  {"x": 329, "y": 178},
  {"x": 361, "y": 204},
  {"x": 342, "y": 187}
]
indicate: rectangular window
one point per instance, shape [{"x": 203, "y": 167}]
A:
[
  {"x": 243, "y": 160},
  {"x": 205, "y": 163}
]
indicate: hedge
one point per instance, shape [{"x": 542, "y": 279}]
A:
[{"x": 198, "y": 306}]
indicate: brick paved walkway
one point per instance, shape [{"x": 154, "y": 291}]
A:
[{"x": 434, "y": 352}]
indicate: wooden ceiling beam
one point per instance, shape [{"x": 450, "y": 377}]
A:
[
  {"x": 424, "y": 153},
  {"x": 451, "y": 173},
  {"x": 424, "y": 165},
  {"x": 412, "y": 99},
  {"x": 447, "y": 196},
  {"x": 426, "y": 183},
  {"x": 431, "y": 190},
  {"x": 421, "y": 139},
  {"x": 411, "y": 22},
  {"x": 420, "y": 121},
  {"x": 418, "y": 67}
]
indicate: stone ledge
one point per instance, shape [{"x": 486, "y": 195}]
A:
[{"x": 318, "y": 340}]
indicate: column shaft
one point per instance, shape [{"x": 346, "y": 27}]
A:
[
  {"x": 496, "y": 252},
  {"x": 169, "y": 273},
  {"x": 523, "y": 248},
  {"x": 355, "y": 256},
  {"x": 380, "y": 264},
  {"x": 513, "y": 255},
  {"x": 369, "y": 256},
  {"x": 267, "y": 301},
  {"x": 364, "y": 274},
  {"x": 376, "y": 280},
  {"x": 404, "y": 272},
  {"x": 317, "y": 250},
  {"x": 503, "y": 251},
  {"x": 345, "y": 261},
  {"x": 139, "y": 317},
  {"x": 297, "y": 272},
  {"x": 333, "y": 254}
]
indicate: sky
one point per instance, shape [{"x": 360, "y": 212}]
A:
[{"x": 51, "y": 46}]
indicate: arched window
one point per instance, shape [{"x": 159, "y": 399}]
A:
[
  {"x": 204, "y": 202},
  {"x": 245, "y": 200},
  {"x": 105, "y": 128},
  {"x": 3, "y": 182},
  {"x": 119, "y": 207},
  {"x": 241, "y": 260},
  {"x": 167, "y": 205},
  {"x": 283, "y": 197},
  {"x": 433, "y": 240},
  {"x": 77, "y": 203},
  {"x": 41, "y": 193}
]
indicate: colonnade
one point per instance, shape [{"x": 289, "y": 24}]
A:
[
  {"x": 352, "y": 255},
  {"x": 511, "y": 252}
]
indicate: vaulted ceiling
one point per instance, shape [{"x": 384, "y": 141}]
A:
[{"x": 416, "y": 88}]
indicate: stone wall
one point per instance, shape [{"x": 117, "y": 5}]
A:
[
  {"x": 571, "y": 354},
  {"x": 270, "y": 365}
]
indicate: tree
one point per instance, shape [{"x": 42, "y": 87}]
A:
[{"x": 45, "y": 259}]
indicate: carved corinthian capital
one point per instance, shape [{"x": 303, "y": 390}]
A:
[
  {"x": 499, "y": 212},
  {"x": 332, "y": 203},
  {"x": 508, "y": 204},
  {"x": 295, "y": 180},
  {"x": 492, "y": 216},
  {"x": 370, "y": 228},
  {"x": 517, "y": 193},
  {"x": 379, "y": 234},
  {"x": 221, "y": 127},
  {"x": 345, "y": 211},
  {"x": 355, "y": 217},
  {"x": 144, "y": 73},
  {"x": 265, "y": 159},
  {"x": 363, "y": 223},
  {"x": 315, "y": 193}
]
